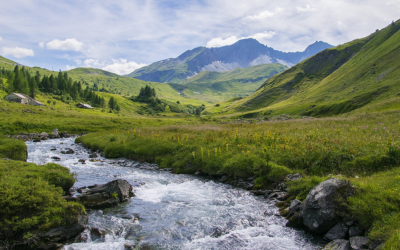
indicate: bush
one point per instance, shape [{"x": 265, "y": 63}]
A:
[
  {"x": 31, "y": 198},
  {"x": 12, "y": 149}
]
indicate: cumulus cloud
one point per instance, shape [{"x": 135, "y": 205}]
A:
[
  {"x": 265, "y": 14},
  {"x": 69, "y": 67},
  {"x": 1, "y": 38},
  {"x": 41, "y": 44},
  {"x": 219, "y": 42},
  {"x": 67, "y": 44},
  {"x": 17, "y": 52},
  {"x": 305, "y": 9},
  {"x": 263, "y": 35},
  {"x": 118, "y": 66}
]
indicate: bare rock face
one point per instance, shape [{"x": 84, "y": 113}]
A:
[
  {"x": 319, "y": 208},
  {"x": 106, "y": 195}
]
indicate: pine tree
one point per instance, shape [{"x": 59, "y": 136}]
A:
[
  {"x": 111, "y": 103},
  {"x": 32, "y": 87}
]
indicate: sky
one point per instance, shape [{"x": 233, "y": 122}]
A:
[{"x": 123, "y": 35}]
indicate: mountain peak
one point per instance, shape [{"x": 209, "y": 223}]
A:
[{"x": 242, "y": 54}]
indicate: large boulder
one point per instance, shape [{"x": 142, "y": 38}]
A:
[
  {"x": 54, "y": 134},
  {"x": 338, "y": 232},
  {"x": 106, "y": 195},
  {"x": 338, "y": 245},
  {"x": 359, "y": 242},
  {"x": 319, "y": 209},
  {"x": 68, "y": 151},
  {"x": 63, "y": 233}
]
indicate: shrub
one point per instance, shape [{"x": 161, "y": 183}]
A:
[
  {"x": 30, "y": 201},
  {"x": 12, "y": 149}
]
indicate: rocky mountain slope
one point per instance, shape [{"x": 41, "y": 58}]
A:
[{"x": 242, "y": 54}]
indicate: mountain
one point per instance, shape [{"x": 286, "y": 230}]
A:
[
  {"x": 242, "y": 54},
  {"x": 219, "y": 86},
  {"x": 360, "y": 76}
]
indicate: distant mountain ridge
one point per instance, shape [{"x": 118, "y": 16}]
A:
[
  {"x": 242, "y": 54},
  {"x": 362, "y": 75}
]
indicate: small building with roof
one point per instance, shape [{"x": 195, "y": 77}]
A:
[
  {"x": 84, "y": 106},
  {"x": 23, "y": 99}
]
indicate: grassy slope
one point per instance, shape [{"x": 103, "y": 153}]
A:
[
  {"x": 114, "y": 83},
  {"x": 66, "y": 117},
  {"x": 361, "y": 73},
  {"x": 125, "y": 85},
  {"x": 219, "y": 86}
]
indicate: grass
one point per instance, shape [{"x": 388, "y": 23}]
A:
[
  {"x": 66, "y": 117},
  {"x": 362, "y": 148},
  {"x": 346, "y": 78},
  {"x": 31, "y": 199},
  {"x": 357, "y": 145}
]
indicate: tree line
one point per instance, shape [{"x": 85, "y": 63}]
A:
[{"x": 20, "y": 80}]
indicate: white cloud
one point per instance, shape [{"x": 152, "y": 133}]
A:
[
  {"x": 265, "y": 14},
  {"x": 41, "y": 44},
  {"x": 264, "y": 35},
  {"x": 69, "y": 67},
  {"x": 67, "y": 44},
  {"x": 1, "y": 39},
  {"x": 17, "y": 52},
  {"x": 117, "y": 66},
  {"x": 305, "y": 9},
  {"x": 219, "y": 42},
  {"x": 78, "y": 62}
]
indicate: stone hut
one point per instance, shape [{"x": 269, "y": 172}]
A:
[
  {"x": 84, "y": 106},
  {"x": 23, "y": 99}
]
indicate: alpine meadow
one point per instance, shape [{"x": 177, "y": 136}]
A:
[{"x": 226, "y": 144}]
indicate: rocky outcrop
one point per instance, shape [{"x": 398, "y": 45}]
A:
[
  {"x": 63, "y": 233},
  {"x": 54, "y": 238},
  {"x": 103, "y": 196},
  {"x": 319, "y": 209},
  {"x": 37, "y": 137}
]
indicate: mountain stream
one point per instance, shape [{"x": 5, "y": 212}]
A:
[{"x": 171, "y": 211}]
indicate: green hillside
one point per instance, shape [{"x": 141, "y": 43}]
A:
[
  {"x": 104, "y": 81},
  {"x": 219, "y": 86},
  {"x": 362, "y": 75},
  {"x": 100, "y": 80}
]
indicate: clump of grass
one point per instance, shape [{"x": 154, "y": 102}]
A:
[
  {"x": 299, "y": 189},
  {"x": 31, "y": 198},
  {"x": 12, "y": 149},
  {"x": 377, "y": 204}
]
